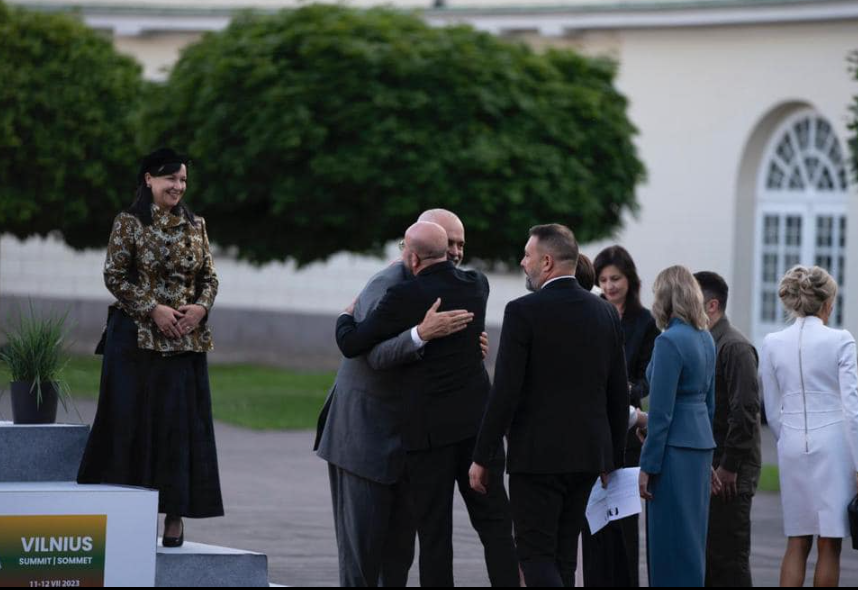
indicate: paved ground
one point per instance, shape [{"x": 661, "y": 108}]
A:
[{"x": 277, "y": 503}]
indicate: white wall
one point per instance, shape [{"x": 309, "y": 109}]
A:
[
  {"x": 697, "y": 95},
  {"x": 157, "y": 52},
  {"x": 46, "y": 268}
]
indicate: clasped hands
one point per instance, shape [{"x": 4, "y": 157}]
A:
[{"x": 177, "y": 323}]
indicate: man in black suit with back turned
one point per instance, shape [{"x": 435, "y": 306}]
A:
[
  {"x": 562, "y": 395},
  {"x": 447, "y": 389}
]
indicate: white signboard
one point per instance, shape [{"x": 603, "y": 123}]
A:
[{"x": 64, "y": 535}]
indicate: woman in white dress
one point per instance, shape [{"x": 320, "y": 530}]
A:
[{"x": 810, "y": 384}]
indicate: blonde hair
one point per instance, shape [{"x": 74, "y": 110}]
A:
[
  {"x": 805, "y": 291},
  {"x": 678, "y": 295}
]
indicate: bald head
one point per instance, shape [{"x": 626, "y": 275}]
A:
[
  {"x": 427, "y": 242},
  {"x": 455, "y": 231},
  {"x": 440, "y": 216}
]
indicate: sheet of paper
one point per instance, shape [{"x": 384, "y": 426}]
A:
[{"x": 620, "y": 499}]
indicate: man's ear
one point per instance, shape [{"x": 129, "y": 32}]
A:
[
  {"x": 548, "y": 263},
  {"x": 713, "y": 306}
]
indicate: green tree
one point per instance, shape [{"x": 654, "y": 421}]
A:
[
  {"x": 67, "y": 130},
  {"x": 327, "y": 129}
]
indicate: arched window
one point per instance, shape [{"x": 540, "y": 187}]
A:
[{"x": 801, "y": 213}]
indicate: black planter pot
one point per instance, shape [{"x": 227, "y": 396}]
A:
[{"x": 25, "y": 406}]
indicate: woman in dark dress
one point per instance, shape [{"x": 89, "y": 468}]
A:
[
  {"x": 611, "y": 556},
  {"x": 154, "y": 426}
]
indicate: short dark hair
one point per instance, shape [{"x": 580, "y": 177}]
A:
[
  {"x": 558, "y": 240},
  {"x": 584, "y": 273},
  {"x": 713, "y": 286},
  {"x": 620, "y": 257}
]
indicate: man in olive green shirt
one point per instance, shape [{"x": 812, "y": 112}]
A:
[{"x": 737, "y": 461}]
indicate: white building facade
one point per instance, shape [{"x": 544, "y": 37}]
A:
[{"x": 742, "y": 108}]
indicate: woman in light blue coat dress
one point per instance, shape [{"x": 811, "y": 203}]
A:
[{"x": 676, "y": 461}]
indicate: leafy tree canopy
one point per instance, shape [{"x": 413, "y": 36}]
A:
[
  {"x": 326, "y": 129},
  {"x": 67, "y": 130}
]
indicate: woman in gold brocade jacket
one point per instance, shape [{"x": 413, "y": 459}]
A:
[{"x": 154, "y": 423}]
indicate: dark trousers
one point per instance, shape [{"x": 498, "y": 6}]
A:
[
  {"x": 605, "y": 554},
  {"x": 728, "y": 546},
  {"x": 374, "y": 529},
  {"x": 567, "y": 557},
  {"x": 548, "y": 512},
  {"x": 432, "y": 477}
]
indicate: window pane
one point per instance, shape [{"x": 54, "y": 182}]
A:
[
  {"x": 823, "y": 134},
  {"x": 770, "y": 268},
  {"x": 834, "y": 153},
  {"x": 825, "y": 262},
  {"x": 802, "y": 131},
  {"x": 770, "y": 307},
  {"x": 776, "y": 177},
  {"x": 795, "y": 180},
  {"x": 812, "y": 164},
  {"x": 825, "y": 232},
  {"x": 793, "y": 231},
  {"x": 785, "y": 149},
  {"x": 838, "y": 312},
  {"x": 826, "y": 181},
  {"x": 791, "y": 260},
  {"x": 771, "y": 230}
]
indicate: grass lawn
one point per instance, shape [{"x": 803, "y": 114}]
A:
[
  {"x": 244, "y": 395},
  {"x": 770, "y": 479}
]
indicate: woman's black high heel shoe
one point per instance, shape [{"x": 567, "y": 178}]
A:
[{"x": 173, "y": 542}]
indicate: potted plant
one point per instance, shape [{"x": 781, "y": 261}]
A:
[{"x": 36, "y": 353}]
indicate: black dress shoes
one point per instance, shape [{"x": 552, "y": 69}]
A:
[{"x": 173, "y": 542}]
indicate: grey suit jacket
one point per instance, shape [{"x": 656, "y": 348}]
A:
[{"x": 359, "y": 427}]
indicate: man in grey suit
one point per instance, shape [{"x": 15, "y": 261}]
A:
[{"x": 359, "y": 436}]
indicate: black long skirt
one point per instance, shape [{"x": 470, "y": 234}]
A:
[{"x": 153, "y": 428}]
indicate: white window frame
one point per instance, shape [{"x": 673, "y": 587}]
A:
[{"x": 807, "y": 203}]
